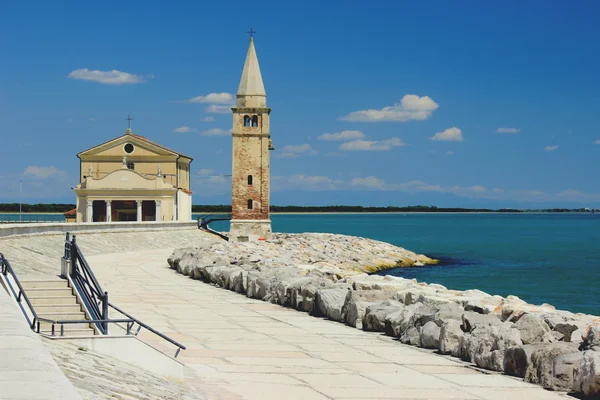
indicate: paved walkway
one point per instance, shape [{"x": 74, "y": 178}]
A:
[{"x": 242, "y": 348}]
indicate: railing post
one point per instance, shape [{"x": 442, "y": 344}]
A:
[
  {"x": 73, "y": 249},
  {"x": 105, "y": 312}
]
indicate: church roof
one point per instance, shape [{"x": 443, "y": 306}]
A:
[
  {"x": 129, "y": 133},
  {"x": 251, "y": 82}
]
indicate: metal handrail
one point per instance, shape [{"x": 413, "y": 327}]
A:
[
  {"x": 72, "y": 251},
  {"x": 140, "y": 323},
  {"x": 7, "y": 268},
  {"x": 95, "y": 298}
]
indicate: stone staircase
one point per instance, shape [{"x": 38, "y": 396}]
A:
[{"x": 53, "y": 299}]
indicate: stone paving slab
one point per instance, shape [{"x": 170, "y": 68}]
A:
[{"x": 246, "y": 349}]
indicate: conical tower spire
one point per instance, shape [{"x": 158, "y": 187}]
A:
[{"x": 251, "y": 83}]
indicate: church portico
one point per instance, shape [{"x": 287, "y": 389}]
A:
[{"x": 121, "y": 210}]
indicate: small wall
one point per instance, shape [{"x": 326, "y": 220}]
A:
[
  {"x": 54, "y": 228},
  {"x": 134, "y": 351}
]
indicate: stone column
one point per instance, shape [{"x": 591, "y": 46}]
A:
[
  {"x": 139, "y": 210},
  {"x": 90, "y": 211},
  {"x": 157, "y": 213},
  {"x": 108, "y": 211}
]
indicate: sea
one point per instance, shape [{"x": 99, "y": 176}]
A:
[{"x": 539, "y": 257}]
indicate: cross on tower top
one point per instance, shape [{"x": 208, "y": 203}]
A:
[
  {"x": 129, "y": 119},
  {"x": 251, "y": 32}
]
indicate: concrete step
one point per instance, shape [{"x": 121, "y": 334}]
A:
[
  {"x": 62, "y": 316},
  {"x": 52, "y": 300},
  {"x": 57, "y": 308},
  {"x": 47, "y": 292},
  {"x": 44, "y": 284}
]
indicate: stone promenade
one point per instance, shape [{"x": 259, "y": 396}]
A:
[{"x": 240, "y": 348}]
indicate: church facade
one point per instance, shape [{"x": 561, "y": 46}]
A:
[
  {"x": 131, "y": 178},
  {"x": 250, "y": 201}
]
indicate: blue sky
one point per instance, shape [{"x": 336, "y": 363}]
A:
[{"x": 470, "y": 103}]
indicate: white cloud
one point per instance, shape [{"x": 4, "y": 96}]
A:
[
  {"x": 216, "y": 132},
  {"x": 372, "y": 145},
  {"x": 43, "y": 172},
  {"x": 182, "y": 129},
  {"x": 305, "y": 182},
  {"x": 369, "y": 182},
  {"x": 449, "y": 153},
  {"x": 217, "y": 109},
  {"x": 343, "y": 135},
  {"x": 113, "y": 77},
  {"x": 597, "y": 142},
  {"x": 294, "y": 151},
  {"x": 205, "y": 171},
  {"x": 477, "y": 188},
  {"x": 208, "y": 119},
  {"x": 411, "y": 107},
  {"x": 551, "y": 148},
  {"x": 214, "y": 98},
  {"x": 508, "y": 130},
  {"x": 93, "y": 119},
  {"x": 497, "y": 190},
  {"x": 449, "y": 135}
]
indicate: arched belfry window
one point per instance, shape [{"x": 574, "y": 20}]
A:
[
  {"x": 254, "y": 121},
  {"x": 249, "y": 204},
  {"x": 246, "y": 121},
  {"x": 249, "y": 179}
]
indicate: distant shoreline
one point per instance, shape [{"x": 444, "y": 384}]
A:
[{"x": 349, "y": 212}]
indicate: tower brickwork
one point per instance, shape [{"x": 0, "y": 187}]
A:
[{"x": 251, "y": 158}]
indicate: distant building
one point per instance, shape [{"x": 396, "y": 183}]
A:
[
  {"x": 71, "y": 215},
  {"x": 251, "y": 162},
  {"x": 131, "y": 178}
]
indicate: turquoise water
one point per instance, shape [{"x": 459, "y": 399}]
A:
[
  {"x": 542, "y": 258},
  {"x": 7, "y": 218}
]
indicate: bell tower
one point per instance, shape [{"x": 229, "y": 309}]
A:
[{"x": 251, "y": 167}]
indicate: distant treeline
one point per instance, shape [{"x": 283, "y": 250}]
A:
[
  {"x": 36, "y": 208},
  {"x": 225, "y": 208},
  {"x": 352, "y": 209}
]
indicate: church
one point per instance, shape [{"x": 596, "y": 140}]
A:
[{"x": 131, "y": 178}]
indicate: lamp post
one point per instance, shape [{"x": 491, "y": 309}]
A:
[{"x": 20, "y": 199}]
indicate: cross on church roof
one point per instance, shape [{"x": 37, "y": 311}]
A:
[
  {"x": 129, "y": 119},
  {"x": 251, "y": 32}
]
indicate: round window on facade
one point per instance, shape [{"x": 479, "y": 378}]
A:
[{"x": 128, "y": 148}]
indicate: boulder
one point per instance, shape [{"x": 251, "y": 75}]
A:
[
  {"x": 564, "y": 370},
  {"x": 587, "y": 374},
  {"x": 450, "y": 334},
  {"x": 517, "y": 359},
  {"x": 375, "y": 314},
  {"x": 472, "y": 320},
  {"x": 329, "y": 302},
  {"x": 430, "y": 335},
  {"x": 413, "y": 315},
  {"x": 356, "y": 303},
  {"x": 485, "y": 345},
  {"x": 411, "y": 336},
  {"x": 591, "y": 338},
  {"x": 533, "y": 329},
  {"x": 541, "y": 367},
  {"x": 564, "y": 329}
]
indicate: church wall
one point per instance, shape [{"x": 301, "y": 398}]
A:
[{"x": 101, "y": 168}]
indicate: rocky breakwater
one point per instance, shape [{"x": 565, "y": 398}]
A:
[{"x": 326, "y": 276}]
